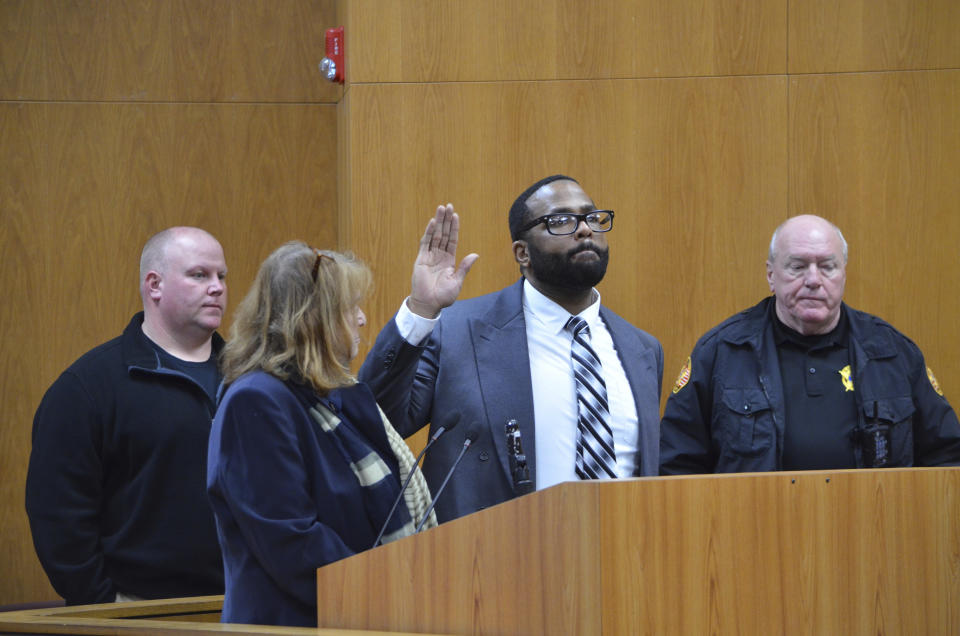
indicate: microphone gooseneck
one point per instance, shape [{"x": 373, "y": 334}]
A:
[
  {"x": 416, "y": 465},
  {"x": 471, "y": 438}
]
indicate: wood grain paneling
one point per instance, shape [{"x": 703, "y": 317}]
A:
[
  {"x": 819, "y": 552},
  {"x": 192, "y": 616},
  {"x": 521, "y": 579},
  {"x": 831, "y": 36},
  {"x": 848, "y": 552},
  {"x": 878, "y": 154},
  {"x": 82, "y": 186},
  {"x": 481, "y": 40},
  {"x": 165, "y": 50},
  {"x": 699, "y": 169},
  {"x": 694, "y": 169}
]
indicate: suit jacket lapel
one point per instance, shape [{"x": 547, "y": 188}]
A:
[
  {"x": 500, "y": 341},
  {"x": 639, "y": 362}
]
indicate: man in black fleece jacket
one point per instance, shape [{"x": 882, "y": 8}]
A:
[{"x": 116, "y": 484}]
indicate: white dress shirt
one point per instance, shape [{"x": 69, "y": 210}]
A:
[{"x": 554, "y": 388}]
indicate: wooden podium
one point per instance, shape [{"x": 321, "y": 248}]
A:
[{"x": 833, "y": 552}]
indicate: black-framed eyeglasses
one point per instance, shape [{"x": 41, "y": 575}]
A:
[{"x": 562, "y": 223}]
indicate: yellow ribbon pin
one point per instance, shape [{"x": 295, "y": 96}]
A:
[{"x": 846, "y": 376}]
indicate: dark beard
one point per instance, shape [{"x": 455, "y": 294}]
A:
[{"x": 558, "y": 270}]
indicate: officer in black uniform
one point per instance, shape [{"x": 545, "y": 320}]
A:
[{"x": 801, "y": 381}]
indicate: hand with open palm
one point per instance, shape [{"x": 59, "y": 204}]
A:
[{"x": 437, "y": 279}]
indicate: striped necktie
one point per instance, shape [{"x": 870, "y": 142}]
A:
[{"x": 595, "y": 455}]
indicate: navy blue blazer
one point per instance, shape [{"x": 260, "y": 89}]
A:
[
  {"x": 476, "y": 363},
  {"x": 285, "y": 500}
]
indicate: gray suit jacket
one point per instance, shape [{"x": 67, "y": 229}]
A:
[{"x": 475, "y": 364}]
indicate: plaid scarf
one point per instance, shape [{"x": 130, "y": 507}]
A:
[{"x": 378, "y": 457}]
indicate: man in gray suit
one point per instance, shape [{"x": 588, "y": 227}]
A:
[{"x": 507, "y": 356}]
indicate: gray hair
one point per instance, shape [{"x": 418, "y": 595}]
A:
[{"x": 772, "y": 253}]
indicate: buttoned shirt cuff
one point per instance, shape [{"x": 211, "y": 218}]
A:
[{"x": 412, "y": 327}]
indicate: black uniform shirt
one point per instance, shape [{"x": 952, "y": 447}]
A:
[{"x": 818, "y": 385}]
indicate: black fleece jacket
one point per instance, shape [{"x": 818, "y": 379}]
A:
[{"x": 116, "y": 487}]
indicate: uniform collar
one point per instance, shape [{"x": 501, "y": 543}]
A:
[
  {"x": 747, "y": 328},
  {"x": 838, "y": 336}
]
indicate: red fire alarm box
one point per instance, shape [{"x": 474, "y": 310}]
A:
[{"x": 332, "y": 66}]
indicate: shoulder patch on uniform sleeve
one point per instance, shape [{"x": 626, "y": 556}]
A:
[
  {"x": 933, "y": 382},
  {"x": 684, "y": 376}
]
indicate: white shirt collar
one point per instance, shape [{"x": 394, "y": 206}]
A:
[{"x": 549, "y": 314}]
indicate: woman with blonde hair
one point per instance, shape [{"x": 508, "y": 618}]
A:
[{"x": 303, "y": 467}]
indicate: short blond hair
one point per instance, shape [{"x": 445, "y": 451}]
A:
[
  {"x": 154, "y": 253},
  {"x": 293, "y": 323}
]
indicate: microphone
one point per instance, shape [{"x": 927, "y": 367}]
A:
[
  {"x": 416, "y": 464},
  {"x": 518, "y": 460},
  {"x": 471, "y": 438}
]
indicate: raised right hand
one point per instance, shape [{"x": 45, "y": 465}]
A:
[{"x": 437, "y": 280}]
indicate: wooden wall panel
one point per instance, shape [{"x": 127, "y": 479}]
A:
[
  {"x": 82, "y": 186},
  {"x": 699, "y": 169},
  {"x": 499, "y": 40},
  {"x": 165, "y": 50},
  {"x": 878, "y": 154},
  {"x": 694, "y": 169},
  {"x": 873, "y": 35}
]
